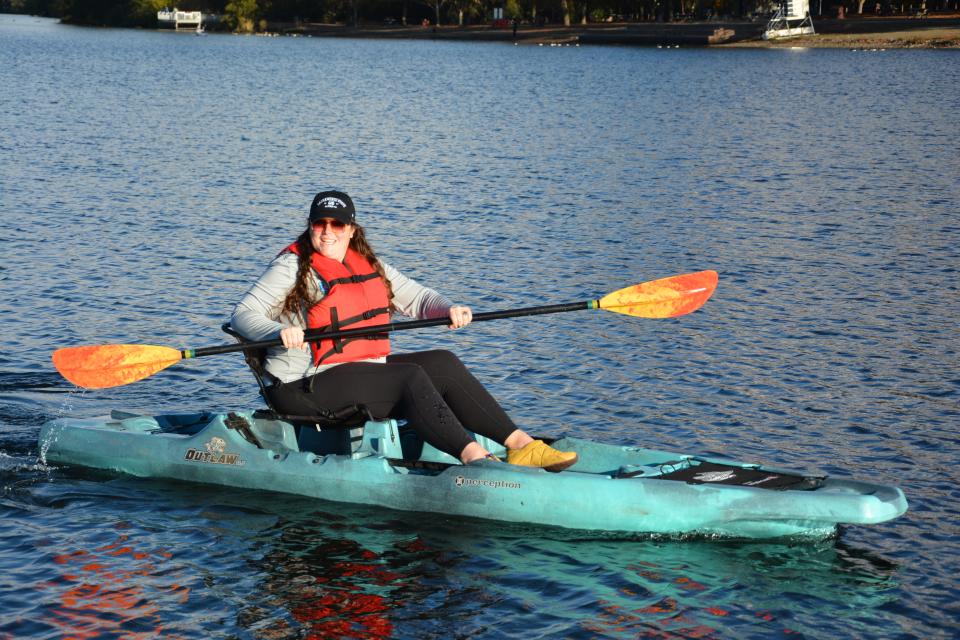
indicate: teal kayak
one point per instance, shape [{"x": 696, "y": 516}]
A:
[{"x": 612, "y": 488}]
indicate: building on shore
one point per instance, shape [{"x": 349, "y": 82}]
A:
[{"x": 177, "y": 19}]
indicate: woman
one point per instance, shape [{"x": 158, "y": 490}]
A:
[{"x": 330, "y": 277}]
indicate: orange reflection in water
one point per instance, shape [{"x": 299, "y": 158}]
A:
[
  {"x": 662, "y": 619},
  {"x": 343, "y": 614},
  {"x": 339, "y": 590},
  {"x": 110, "y": 591},
  {"x": 341, "y": 610}
]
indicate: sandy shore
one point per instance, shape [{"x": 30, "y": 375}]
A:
[
  {"x": 858, "y": 32},
  {"x": 930, "y": 39},
  {"x": 871, "y": 33}
]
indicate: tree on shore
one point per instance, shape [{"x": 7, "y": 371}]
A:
[
  {"x": 241, "y": 15},
  {"x": 437, "y": 6},
  {"x": 469, "y": 8}
]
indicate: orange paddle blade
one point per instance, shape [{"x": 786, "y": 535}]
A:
[
  {"x": 112, "y": 365},
  {"x": 664, "y": 298}
]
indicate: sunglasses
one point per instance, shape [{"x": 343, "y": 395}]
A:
[{"x": 335, "y": 225}]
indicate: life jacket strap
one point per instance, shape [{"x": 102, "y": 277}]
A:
[
  {"x": 355, "y": 279},
  {"x": 345, "y": 341},
  {"x": 336, "y": 325}
]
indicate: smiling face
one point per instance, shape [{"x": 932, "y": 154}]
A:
[{"x": 331, "y": 238}]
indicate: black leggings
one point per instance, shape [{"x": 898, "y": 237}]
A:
[{"x": 432, "y": 390}]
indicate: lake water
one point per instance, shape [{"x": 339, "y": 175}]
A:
[{"x": 147, "y": 178}]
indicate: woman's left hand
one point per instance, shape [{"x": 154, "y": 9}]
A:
[{"x": 460, "y": 316}]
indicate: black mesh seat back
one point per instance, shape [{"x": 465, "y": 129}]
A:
[
  {"x": 255, "y": 358},
  {"x": 348, "y": 417}
]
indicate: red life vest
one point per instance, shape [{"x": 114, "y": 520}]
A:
[{"x": 355, "y": 296}]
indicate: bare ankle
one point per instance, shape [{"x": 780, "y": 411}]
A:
[
  {"x": 472, "y": 452},
  {"x": 517, "y": 440}
]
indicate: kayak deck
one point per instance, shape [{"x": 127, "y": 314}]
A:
[{"x": 611, "y": 488}]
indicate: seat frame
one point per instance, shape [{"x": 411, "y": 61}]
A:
[{"x": 348, "y": 420}]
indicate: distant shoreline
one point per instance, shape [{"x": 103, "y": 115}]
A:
[{"x": 899, "y": 32}]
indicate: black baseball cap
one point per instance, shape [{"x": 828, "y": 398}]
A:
[{"x": 333, "y": 204}]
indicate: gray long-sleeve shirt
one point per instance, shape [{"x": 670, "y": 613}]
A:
[{"x": 258, "y": 314}]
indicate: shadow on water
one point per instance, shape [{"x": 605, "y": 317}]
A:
[
  {"x": 122, "y": 556},
  {"x": 44, "y": 382}
]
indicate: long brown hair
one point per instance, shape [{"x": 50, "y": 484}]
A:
[{"x": 302, "y": 295}]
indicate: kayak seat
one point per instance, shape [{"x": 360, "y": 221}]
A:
[{"x": 339, "y": 431}]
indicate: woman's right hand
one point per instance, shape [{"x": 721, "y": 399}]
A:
[{"x": 292, "y": 338}]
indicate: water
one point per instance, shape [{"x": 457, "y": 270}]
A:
[{"x": 146, "y": 179}]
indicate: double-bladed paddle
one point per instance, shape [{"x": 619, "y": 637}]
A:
[{"x": 114, "y": 365}]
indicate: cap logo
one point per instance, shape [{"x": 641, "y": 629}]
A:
[{"x": 332, "y": 203}]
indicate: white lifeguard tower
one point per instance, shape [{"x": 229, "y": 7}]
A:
[{"x": 791, "y": 19}]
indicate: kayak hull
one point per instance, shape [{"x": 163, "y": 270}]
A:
[{"x": 612, "y": 488}]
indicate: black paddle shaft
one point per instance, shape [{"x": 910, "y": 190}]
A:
[{"x": 314, "y": 335}]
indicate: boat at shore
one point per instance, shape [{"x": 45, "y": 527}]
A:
[
  {"x": 791, "y": 19},
  {"x": 620, "y": 489}
]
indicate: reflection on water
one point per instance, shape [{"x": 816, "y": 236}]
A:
[
  {"x": 286, "y": 567},
  {"x": 107, "y": 591},
  {"x": 329, "y": 586}
]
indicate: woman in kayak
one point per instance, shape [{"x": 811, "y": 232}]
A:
[{"x": 330, "y": 278}]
